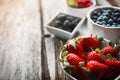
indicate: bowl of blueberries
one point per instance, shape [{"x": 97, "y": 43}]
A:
[
  {"x": 105, "y": 22},
  {"x": 65, "y": 26}
]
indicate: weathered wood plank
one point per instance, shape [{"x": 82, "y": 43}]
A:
[
  {"x": 59, "y": 74},
  {"x": 44, "y": 63},
  {"x": 50, "y": 10},
  {"x": 19, "y": 40}
]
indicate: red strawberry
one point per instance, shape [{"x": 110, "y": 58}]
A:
[
  {"x": 109, "y": 50},
  {"x": 113, "y": 69},
  {"x": 88, "y": 4},
  {"x": 73, "y": 59},
  {"x": 95, "y": 56},
  {"x": 81, "y": 5},
  {"x": 113, "y": 63},
  {"x": 96, "y": 68},
  {"x": 77, "y": 49},
  {"x": 89, "y": 43}
]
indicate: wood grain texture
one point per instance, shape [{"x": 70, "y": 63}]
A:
[
  {"x": 19, "y": 40},
  {"x": 50, "y": 10}
]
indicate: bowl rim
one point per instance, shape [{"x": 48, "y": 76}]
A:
[
  {"x": 93, "y": 1},
  {"x": 101, "y": 7}
]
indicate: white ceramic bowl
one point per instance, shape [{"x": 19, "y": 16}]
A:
[
  {"x": 63, "y": 33},
  {"x": 111, "y": 33},
  {"x": 80, "y": 12},
  {"x": 70, "y": 77}
]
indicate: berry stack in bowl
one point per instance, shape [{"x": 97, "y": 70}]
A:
[
  {"x": 90, "y": 58},
  {"x": 80, "y": 7},
  {"x": 105, "y": 22},
  {"x": 64, "y": 25}
]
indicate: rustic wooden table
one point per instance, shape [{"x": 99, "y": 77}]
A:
[{"x": 27, "y": 49}]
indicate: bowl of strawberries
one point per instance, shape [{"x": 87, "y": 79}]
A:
[
  {"x": 90, "y": 58},
  {"x": 80, "y": 7}
]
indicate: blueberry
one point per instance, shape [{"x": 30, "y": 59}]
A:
[
  {"x": 106, "y": 14},
  {"x": 58, "y": 23},
  {"x": 70, "y": 18},
  {"x": 110, "y": 21},
  {"x": 109, "y": 11},
  {"x": 113, "y": 25},
  {"x": 94, "y": 20},
  {"x": 118, "y": 25},
  {"x": 118, "y": 20},
  {"x": 94, "y": 17},
  {"x": 116, "y": 10},
  {"x": 95, "y": 13},
  {"x": 61, "y": 17},
  {"x": 100, "y": 18},
  {"x": 104, "y": 22},
  {"x": 60, "y": 27},
  {"x": 108, "y": 25},
  {"x": 105, "y": 18},
  {"x": 74, "y": 23},
  {"x": 99, "y": 13},
  {"x": 66, "y": 24},
  {"x": 115, "y": 19},
  {"x": 117, "y": 14},
  {"x": 98, "y": 22}
]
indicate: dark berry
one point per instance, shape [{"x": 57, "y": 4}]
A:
[
  {"x": 70, "y": 18},
  {"x": 67, "y": 24},
  {"x": 113, "y": 25},
  {"x": 58, "y": 23},
  {"x": 94, "y": 20},
  {"x": 118, "y": 25},
  {"x": 74, "y": 23},
  {"x": 108, "y": 25},
  {"x": 98, "y": 22},
  {"x": 104, "y": 22},
  {"x": 118, "y": 20},
  {"x": 115, "y": 19},
  {"x": 61, "y": 17},
  {"x": 110, "y": 21},
  {"x": 95, "y": 13},
  {"x": 95, "y": 17},
  {"x": 109, "y": 11},
  {"x": 106, "y": 14},
  {"x": 117, "y": 14},
  {"x": 105, "y": 18},
  {"x": 99, "y": 13},
  {"x": 60, "y": 27},
  {"x": 116, "y": 10},
  {"x": 100, "y": 18}
]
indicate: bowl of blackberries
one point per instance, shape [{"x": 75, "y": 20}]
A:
[
  {"x": 65, "y": 26},
  {"x": 105, "y": 22}
]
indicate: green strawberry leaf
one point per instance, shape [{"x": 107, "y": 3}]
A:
[{"x": 62, "y": 48}]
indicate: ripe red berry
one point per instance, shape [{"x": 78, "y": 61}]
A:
[
  {"x": 109, "y": 50},
  {"x": 95, "y": 56},
  {"x": 96, "y": 68},
  {"x": 73, "y": 59},
  {"x": 77, "y": 49},
  {"x": 89, "y": 43},
  {"x": 113, "y": 69}
]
